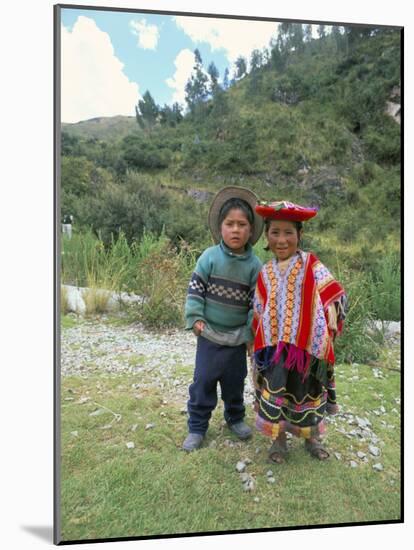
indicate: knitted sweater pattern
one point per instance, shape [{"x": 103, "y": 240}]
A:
[{"x": 221, "y": 289}]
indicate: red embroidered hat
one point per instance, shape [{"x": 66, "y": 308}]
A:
[{"x": 285, "y": 210}]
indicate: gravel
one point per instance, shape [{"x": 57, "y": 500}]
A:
[{"x": 97, "y": 347}]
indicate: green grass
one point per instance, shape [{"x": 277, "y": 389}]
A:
[{"x": 111, "y": 491}]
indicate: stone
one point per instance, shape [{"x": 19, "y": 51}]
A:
[
  {"x": 378, "y": 467},
  {"x": 149, "y": 426},
  {"x": 269, "y": 473},
  {"x": 360, "y": 454},
  {"x": 249, "y": 484},
  {"x": 338, "y": 456},
  {"x": 240, "y": 466},
  {"x": 374, "y": 450},
  {"x": 130, "y": 445},
  {"x": 75, "y": 433},
  {"x": 271, "y": 480},
  {"x": 98, "y": 412},
  {"x": 353, "y": 464}
]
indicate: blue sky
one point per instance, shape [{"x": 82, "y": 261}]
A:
[{"x": 110, "y": 58}]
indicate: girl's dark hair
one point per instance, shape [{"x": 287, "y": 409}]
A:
[
  {"x": 239, "y": 204},
  {"x": 298, "y": 225}
]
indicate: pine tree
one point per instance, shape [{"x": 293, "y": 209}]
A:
[
  {"x": 196, "y": 91},
  {"x": 226, "y": 83},
  {"x": 256, "y": 60},
  {"x": 214, "y": 75},
  {"x": 147, "y": 112},
  {"x": 241, "y": 67},
  {"x": 308, "y": 33}
]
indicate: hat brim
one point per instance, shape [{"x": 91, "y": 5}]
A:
[
  {"x": 290, "y": 214},
  {"x": 223, "y": 196}
]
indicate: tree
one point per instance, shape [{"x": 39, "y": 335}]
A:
[
  {"x": 214, "y": 75},
  {"x": 196, "y": 91},
  {"x": 171, "y": 116},
  {"x": 147, "y": 112},
  {"x": 241, "y": 67},
  {"x": 296, "y": 38},
  {"x": 308, "y": 33},
  {"x": 338, "y": 38},
  {"x": 321, "y": 31},
  {"x": 226, "y": 83},
  {"x": 256, "y": 60}
]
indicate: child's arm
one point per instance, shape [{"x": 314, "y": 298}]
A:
[{"x": 195, "y": 302}]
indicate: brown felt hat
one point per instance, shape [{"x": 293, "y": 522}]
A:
[{"x": 234, "y": 192}]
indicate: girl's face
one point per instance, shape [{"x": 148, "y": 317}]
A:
[
  {"x": 236, "y": 230},
  {"x": 283, "y": 238}
]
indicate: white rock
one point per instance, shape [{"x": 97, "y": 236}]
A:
[
  {"x": 130, "y": 445},
  {"x": 98, "y": 412},
  {"x": 338, "y": 456},
  {"x": 269, "y": 473},
  {"x": 256, "y": 499},
  {"x": 271, "y": 480},
  {"x": 240, "y": 466},
  {"x": 134, "y": 427},
  {"x": 74, "y": 300},
  {"x": 249, "y": 485},
  {"x": 75, "y": 433},
  {"x": 149, "y": 426},
  {"x": 353, "y": 464},
  {"x": 374, "y": 450},
  {"x": 360, "y": 454},
  {"x": 378, "y": 467}
]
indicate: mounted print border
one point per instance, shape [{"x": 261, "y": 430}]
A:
[{"x": 155, "y": 112}]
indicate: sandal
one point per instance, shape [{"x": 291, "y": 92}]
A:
[
  {"x": 277, "y": 452},
  {"x": 316, "y": 449}
]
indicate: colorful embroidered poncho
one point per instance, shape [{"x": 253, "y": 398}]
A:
[{"x": 291, "y": 313}]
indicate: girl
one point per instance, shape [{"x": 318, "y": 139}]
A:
[
  {"x": 298, "y": 311},
  {"x": 219, "y": 311}
]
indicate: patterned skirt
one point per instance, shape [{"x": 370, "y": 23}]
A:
[{"x": 285, "y": 401}]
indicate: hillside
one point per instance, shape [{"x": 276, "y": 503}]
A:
[
  {"x": 104, "y": 128},
  {"x": 309, "y": 123}
]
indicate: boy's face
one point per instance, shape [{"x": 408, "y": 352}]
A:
[
  {"x": 236, "y": 230},
  {"x": 283, "y": 238}
]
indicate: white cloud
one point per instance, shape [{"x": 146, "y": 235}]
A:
[
  {"x": 93, "y": 82},
  {"x": 184, "y": 63},
  {"x": 235, "y": 36},
  {"x": 147, "y": 34}
]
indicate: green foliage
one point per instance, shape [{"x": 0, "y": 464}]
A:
[
  {"x": 354, "y": 344},
  {"x": 140, "y": 153},
  {"x": 147, "y": 112},
  {"x": 384, "y": 288}
]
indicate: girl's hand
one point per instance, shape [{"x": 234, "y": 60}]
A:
[{"x": 198, "y": 327}]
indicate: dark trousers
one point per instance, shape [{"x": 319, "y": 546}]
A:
[{"x": 216, "y": 363}]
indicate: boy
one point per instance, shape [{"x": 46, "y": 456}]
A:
[{"x": 219, "y": 311}]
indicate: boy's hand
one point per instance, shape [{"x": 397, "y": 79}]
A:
[
  {"x": 250, "y": 349},
  {"x": 198, "y": 327}
]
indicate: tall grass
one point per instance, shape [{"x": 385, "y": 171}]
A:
[
  {"x": 86, "y": 262},
  {"x": 384, "y": 286},
  {"x": 152, "y": 268}
]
